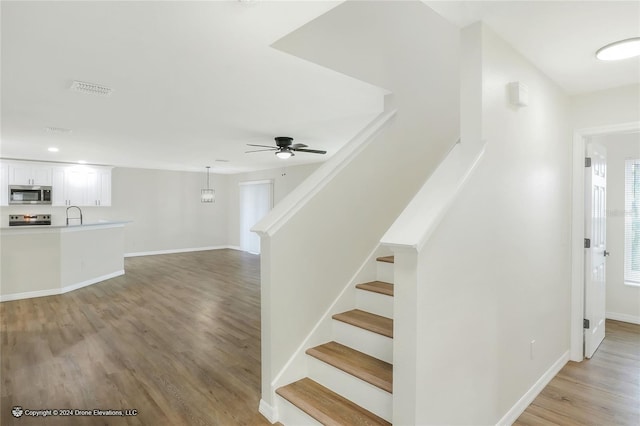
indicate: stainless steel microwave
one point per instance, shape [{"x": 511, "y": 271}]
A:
[{"x": 29, "y": 194}]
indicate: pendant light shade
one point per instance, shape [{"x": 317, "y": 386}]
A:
[{"x": 208, "y": 195}]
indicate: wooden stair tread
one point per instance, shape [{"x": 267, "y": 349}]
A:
[
  {"x": 326, "y": 406},
  {"x": 372, "y": 370},
  {"x": 375, "y": 323},
  {"x": 387, "y": 259},
  {"x": 377, "y": 287}
]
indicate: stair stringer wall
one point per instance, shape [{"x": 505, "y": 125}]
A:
[
  {"x": 296, "y": 367},
  {"x": 315, "y": 239}
]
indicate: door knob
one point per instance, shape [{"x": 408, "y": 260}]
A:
[{"x": 606, "y": 253}]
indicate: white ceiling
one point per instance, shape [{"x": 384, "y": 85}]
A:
[
  {"x": 560, "y": 37},
  {"x": 194, "y": 82}
]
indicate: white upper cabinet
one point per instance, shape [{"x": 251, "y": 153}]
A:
[
  {"x": 72, "y": 185},
  {"x": 4, "y": 184},
  {"x": 82, "y": 186},
  {"x": 29, "y": 174}
]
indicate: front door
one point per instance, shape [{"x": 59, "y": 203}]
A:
[{"x": 595, "y": 255}]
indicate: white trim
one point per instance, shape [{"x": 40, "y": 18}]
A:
[
  {"x": 184, "y": 250},
  {"x": 308, "y": 189},
  {"x": 418, "y": 221},
  {"x": 269, "y": 412},
  {"x": 623, "y": 317},
  {"x": 256, "y": 182},
  {"x": 29, "y": 295},
  {"x": 512, "y": 415},
  {"x": 577, "y": 229},
  {"x": 79, "y": 228},
  {"x": 58, "y": 291},
  {"x": 95, "y": 280}
]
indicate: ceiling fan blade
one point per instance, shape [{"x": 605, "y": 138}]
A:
[
  {"x": 298, "y": 145},
  {"x": 263, "y": 146},
  {"x": 261, "y": 150},
  {"x": 312, "y": 151}
]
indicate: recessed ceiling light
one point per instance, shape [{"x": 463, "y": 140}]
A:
[
  {"x": 82, "y": 162},
  {"x": 622, "y": 49},
  {"x": 52, "y": 149}
]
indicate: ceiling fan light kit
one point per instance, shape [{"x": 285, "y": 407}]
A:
[{"x": 619, "y": 50}]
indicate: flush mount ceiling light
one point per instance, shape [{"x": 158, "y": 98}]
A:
[
  {"x": 622, "y": 49},
  {"x": 207, "y": 195},
  {"x": 52, "y": 149},
  {"x": 91, "y": 88}
]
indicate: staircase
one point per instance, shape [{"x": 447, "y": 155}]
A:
[{"x": 350, "y": 379}]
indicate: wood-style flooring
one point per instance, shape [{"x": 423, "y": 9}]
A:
[
  {"x": 177, "y": 339},
  {"x": 603, "y": 391}
]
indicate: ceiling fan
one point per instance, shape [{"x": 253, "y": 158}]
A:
[{"x": 285, "y": 147}]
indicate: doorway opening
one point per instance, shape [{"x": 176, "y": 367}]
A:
[
  {"x": 580, "y": 140},
  {"x": 256, "y": 200}
]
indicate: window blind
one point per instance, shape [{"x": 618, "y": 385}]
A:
[{"x": 632, "y": 222}]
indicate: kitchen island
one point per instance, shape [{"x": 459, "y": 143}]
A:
[{"x": 45, "y": 260}]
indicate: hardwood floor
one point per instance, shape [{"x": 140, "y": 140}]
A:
[
  {"x": 604, "y": 390},
  {"x": 177, "y": 339}
]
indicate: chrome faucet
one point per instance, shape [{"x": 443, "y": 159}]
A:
[{"x": 74, "y": 207}]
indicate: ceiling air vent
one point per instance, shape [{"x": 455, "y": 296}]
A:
[
  {"x": 57, "y": 130},
  {"x": 91, "y": 88}
]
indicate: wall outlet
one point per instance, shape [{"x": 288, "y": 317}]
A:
[{"x": 532, "y": 348}]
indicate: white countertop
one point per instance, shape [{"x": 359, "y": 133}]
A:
[{"x": 77, "y": 227}]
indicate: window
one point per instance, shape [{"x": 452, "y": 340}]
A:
[{"x": 632, "y": 222}]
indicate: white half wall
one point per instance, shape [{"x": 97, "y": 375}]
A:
[
  {"x": 334, "y": 231},
  {"x": 623, "y": 301},
  {"x": 496, "y": 274}
]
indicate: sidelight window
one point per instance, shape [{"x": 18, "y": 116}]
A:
[{"x": 632, "y": 222}]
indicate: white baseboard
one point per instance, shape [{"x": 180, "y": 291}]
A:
[
  {"x": 29, "y": 295},
  {"x": 184, "y": 250},
  {"x": 623, "y": 317},
  {"x": 269, "y": 412},
  {"x": 76, "y": 286},
  {"x": 56, "y": 291},
  {"x": 522, "y": 404}
]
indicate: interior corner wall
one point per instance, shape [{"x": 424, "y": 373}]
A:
[
  {"x": 606, "y": 107},
  {"x": 623, "y": 301},
  {"x": 165, "y": 210},
  {"x": 284, "y": 179},
  {"x": 496, "y": 274}
]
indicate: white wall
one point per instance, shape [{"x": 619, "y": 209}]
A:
[
  {"x": 623, "y": 301},
  {"x": 284, "y": 179},
  {"x": 496, "y": 273},
  {"x": 605, "y": 107},
  {"x": 165, "y": 209}
]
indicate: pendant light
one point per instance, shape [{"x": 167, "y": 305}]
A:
[{"x": 208, "y": 195}]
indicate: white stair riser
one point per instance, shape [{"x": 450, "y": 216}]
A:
[
  {"x": 369, "y": 397},
  {"x": 370, "y": 343},
  {"x": 385, "y": 272},
  {"x": 375, "y": 303},
  {"x": 290, "y": 415}
]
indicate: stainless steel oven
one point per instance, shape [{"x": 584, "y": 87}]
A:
[{"x": 29, "y": 194}]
